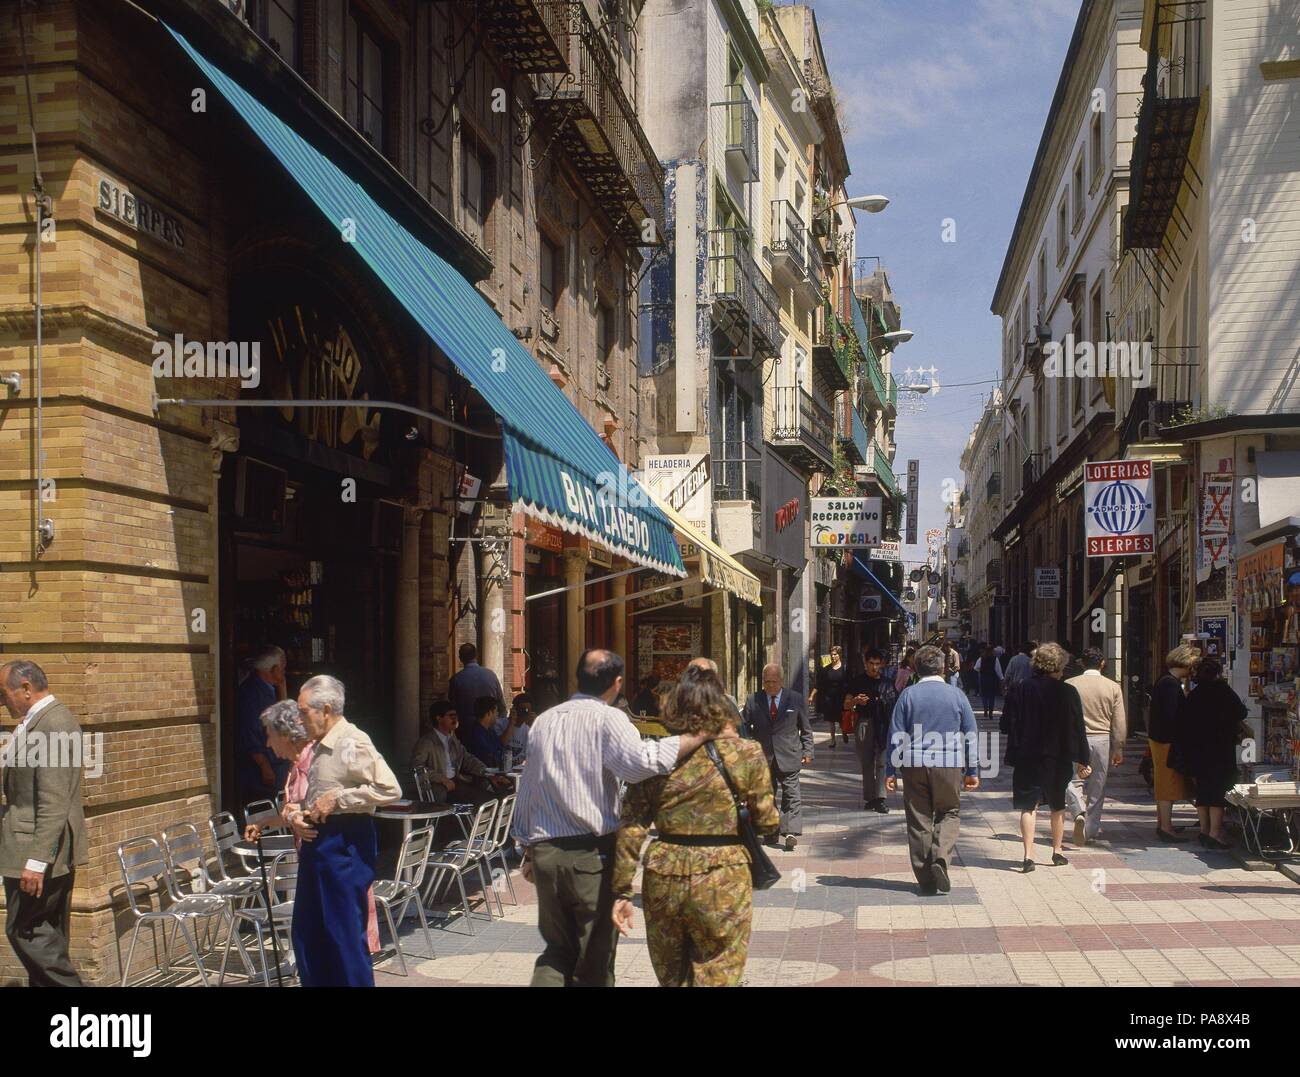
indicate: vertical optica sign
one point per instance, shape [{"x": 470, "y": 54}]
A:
[
  {"x": 913, "y": 495},
  {"x": 1119, "y": 510}
]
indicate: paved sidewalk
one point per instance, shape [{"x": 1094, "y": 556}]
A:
[{"x": 1125, "y": 911}]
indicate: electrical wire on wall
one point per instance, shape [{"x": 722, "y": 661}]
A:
[{"x": 44, "y": 211}]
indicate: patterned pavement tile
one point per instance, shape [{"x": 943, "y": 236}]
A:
[{"x": 1126, "y": 911}]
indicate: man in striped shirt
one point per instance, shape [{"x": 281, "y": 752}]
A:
[{"x": 567, "y": 816}]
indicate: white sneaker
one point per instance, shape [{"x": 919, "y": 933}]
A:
[{"x": 1080, "y": 838}]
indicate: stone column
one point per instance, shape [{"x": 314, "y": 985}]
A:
[
  {"x": 575, "y": 625},
  {"x": 618, "y": 589},
  {"x": 406, "y": 633},
  {"x": 494, "y": 617}
]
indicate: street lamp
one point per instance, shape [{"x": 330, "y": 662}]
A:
[
  {"x": 897, "y": 336},
  {"x": 871, "y": 203}
]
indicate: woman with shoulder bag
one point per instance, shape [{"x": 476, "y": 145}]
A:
[{"x": 697, "y": 888}]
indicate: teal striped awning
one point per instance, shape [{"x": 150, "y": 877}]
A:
[{"x": 558, "y": 468}]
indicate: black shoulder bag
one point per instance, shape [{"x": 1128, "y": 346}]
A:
[{"x": 761, "y": 869}]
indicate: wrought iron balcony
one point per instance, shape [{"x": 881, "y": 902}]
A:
[
  {"x": 741, "y": 292},
  {"x": 530, "y": 35},
  {"x": 737, "y": 470},
  {"x": 791, "y": 249},
  {"x": 993, "y": 572},
  {"x": 802, "y": 428},
  {"x": 854, "y": 438},
  {"x": 740, "y": 133},
  {"x": 596, "y": 128},
  {"x": 834, "y": 352},
  {"x": 1171, "y": 98},
  {"x": 994, "y": 486},
  {"x": 1032, "y": 469},
  {"x": 878, "y": 470}
]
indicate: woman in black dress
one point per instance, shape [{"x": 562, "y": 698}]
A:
[
  {"x": 828, "y": 694},
  {"x": 1042, "y": 719},
  {"x": 1205, "y": 745}
]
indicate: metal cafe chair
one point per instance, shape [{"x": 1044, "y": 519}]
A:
[
  {"x": 283, "y": 882},
  {"x": 189, "y": 864},
  {"x": 460, "y": 857},
  {"x": 495, "y": 846},
  {"x": 143, "y": 862},
  {"x": 262, "y": 812},
  {"x": 225, "y": 836},
  {"x": 404, "y": 887}
]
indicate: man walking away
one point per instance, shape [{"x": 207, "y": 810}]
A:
[
  {"x": 778, "y": 719},
  {"x": 873, "y": 695},
  {"x": 43, "y": 832},
  {"x": 1107, "y": 727},
  {"x": 1019, "y": 670},
  {"x": 933, "y": 745},
  {"x": 567, "y": 819},
  {"x": 473, "y": 682}
]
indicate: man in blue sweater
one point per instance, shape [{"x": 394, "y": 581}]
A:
[{"x": 933, "y": 745}]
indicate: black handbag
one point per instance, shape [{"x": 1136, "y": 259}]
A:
[{"x": 761, "y": 869}]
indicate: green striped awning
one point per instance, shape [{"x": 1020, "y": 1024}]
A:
[{"x": 558, "y": 468}]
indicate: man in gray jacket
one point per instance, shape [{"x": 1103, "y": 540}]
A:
[{"x": 43, "y": 831}]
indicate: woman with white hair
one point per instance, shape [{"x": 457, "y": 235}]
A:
[
  {"x": 1043, "y": 723},
  {"x": 287, "y": 738}
]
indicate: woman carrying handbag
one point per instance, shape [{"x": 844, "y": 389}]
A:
[{"x": 697, "y": 888}]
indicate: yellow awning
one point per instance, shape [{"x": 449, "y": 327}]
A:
[{"x": 717, "y": 567}]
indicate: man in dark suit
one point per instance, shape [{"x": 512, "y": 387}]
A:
[
  {"x": 43, "y": 831},
  {"x": 778, "y": 719}
]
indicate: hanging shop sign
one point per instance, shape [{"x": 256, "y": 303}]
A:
[
  {"x": 683, "y": 482},
  {"x": 1047, "y": 583},
  {"x": 1119, "y": 509},
  {"x": 1066, "y": 486},
  {"x": 783, "y": 531},
  {"x": 869, "y": 604},
  {"x": 913, "y": 497},
  {"x": 845, "y": 522},
  {"x": 888, "y": 550}
]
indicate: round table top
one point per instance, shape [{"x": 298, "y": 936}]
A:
[
  {"x": 272, "y": 845},
  {"x": 432, "y": 812},
  {"x": 513, "y": 772}
]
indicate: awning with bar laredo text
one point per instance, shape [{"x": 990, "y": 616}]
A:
[{"x": 558, "y": 468}]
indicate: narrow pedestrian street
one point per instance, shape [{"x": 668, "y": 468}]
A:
[{"x": 1126, "y": 911}]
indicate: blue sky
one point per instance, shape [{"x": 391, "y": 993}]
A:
[{"x": 942, "y": 104}]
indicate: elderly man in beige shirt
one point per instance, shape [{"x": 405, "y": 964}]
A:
[
  {"x": 347, "y": 780},
  {"x": 1107, "y": 728}
]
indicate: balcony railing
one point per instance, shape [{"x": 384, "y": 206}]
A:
[
  {"x": 792, "y": 252},
  {"x": 1171, "y": 97},
  {"x": 740, "y": 132},
  {"x": 529, "y": 35},
  {"x": 598, "y": 131},
  {"x": 737, "y": 285},
  {"x": 1032, "y": 469},
  {"x": 891, "y": 395},
  {"x": 802, "y": 427},
  {"x": 879, "y": 465},
  {"x": 834, "y": 353},
  {"x": 994, "y": 486},
  {"x": 737, "y": 470},
  {"x": 853, "y": 431},
  {"x": 993, "y": 572}
]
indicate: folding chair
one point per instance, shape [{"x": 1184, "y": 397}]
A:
[
  {"x": 495, "y": 846},
  {"x": 282, "y": 875},
  {"x": 461, "y": 856},
  {"x": 142, "y": 861},
  {"x": 262, "y": 812},
  {"x": 188, "y": 861},
  {"x": 225, "y": 836},
  {"x": 404, "y": 887}
]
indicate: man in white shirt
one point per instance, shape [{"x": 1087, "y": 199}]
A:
[
  {"x": 567, "y": 818},
  {"x": 1107, "y": 727}
]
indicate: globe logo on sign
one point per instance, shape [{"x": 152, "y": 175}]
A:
[{"x": 1118, "y": 508}]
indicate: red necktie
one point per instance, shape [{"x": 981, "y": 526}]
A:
[{"x": 772, "y": 712}]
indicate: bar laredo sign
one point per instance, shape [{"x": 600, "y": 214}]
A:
[{"x": 1119, "y": 509}]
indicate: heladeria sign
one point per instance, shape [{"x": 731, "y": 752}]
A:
[{"x": 845, "y": 522}]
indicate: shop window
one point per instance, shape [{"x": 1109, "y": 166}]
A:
[{"x": 364, "y": 74}]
